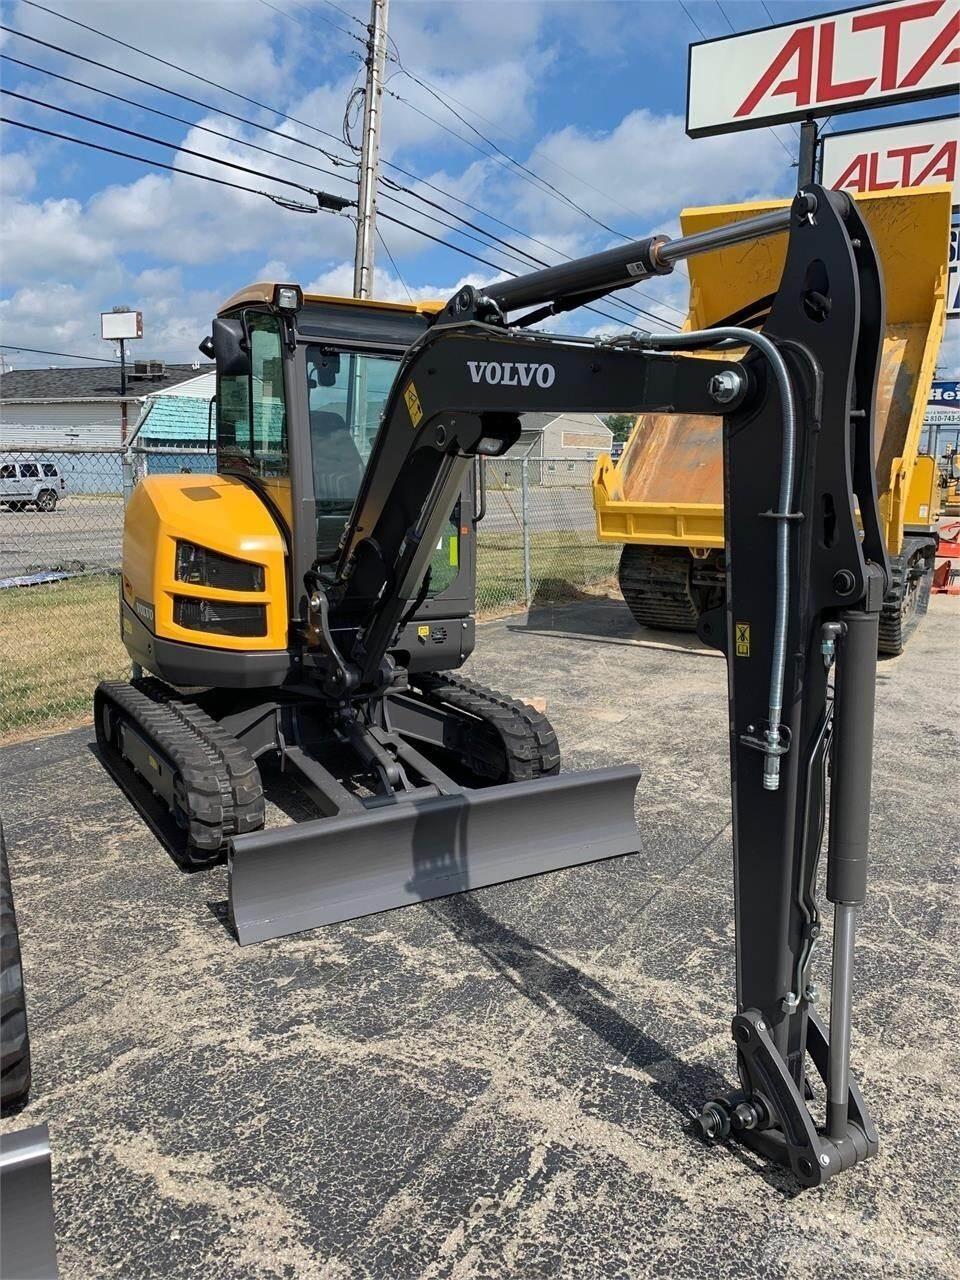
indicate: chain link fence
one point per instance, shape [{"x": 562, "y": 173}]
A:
[
  {"x": 61, "y": 528},
  {"x": 537, "y": 543}
]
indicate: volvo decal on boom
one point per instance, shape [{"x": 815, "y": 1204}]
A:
[{"x": 316, "y": 598}]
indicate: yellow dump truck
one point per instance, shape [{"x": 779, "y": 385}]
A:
[{"x": 663, "y": 498}]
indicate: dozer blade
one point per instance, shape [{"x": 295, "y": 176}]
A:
[{"x": 287, "y": 879}]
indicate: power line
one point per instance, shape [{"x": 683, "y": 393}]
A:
[
  {"x": 159, "y": 164},
  {"x": 444, "y": 95},
  {"x": 528, "y": 175},
  {"x": 532, "y": 173},
  {"x": 531, "y": 258},
  {"x": 166, "y": 115},
  {"x": 254, "y": 102},
  {"x": 393, "y": 264},
  {"x": 174, "y": 93},
  {"x": 502, "y": 270},
  {"x": 734, "y": 30},
  {"x": 66, "y": 355},
  {"x": 172, "y": 146},
  {"x": 329, "y": 21}
]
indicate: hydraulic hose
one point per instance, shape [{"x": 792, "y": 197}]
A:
[{"x": 733, "y": 335}]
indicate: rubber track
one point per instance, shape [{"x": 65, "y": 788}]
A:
[
  {"x": 14, "y": 1036},
  {"x": 522, "y": 744},
  {"x": 655, "y": 582},
  {"x": 214, "y": 769},
  {"x": 895, "y": 629},
  {"x": 246, "y": 787}
]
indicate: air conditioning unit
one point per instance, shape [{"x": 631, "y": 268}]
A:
[{"x": 148, "y": 369}]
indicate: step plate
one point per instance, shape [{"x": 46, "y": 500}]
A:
[{"x": 287, "y": 879}]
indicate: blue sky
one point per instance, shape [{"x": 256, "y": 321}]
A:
[{"x": 588, "y": 93}]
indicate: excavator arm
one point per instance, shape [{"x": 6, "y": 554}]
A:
[{"x": 806, "y": 573}]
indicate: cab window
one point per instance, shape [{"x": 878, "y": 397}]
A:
[
  {"x": 347, "y": 392},
  {"x": 251, "y": 411}
]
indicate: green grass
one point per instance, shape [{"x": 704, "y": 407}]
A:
[
  {"x": 560, "y": 563},
  {"x": 58, "y": 641}
]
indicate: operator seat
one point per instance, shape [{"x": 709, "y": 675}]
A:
[{"x": 337, "y": 473}]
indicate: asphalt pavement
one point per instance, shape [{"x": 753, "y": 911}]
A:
[
  {"x": 84, "y": 533},
  {"x": 502, "y": 1084}
]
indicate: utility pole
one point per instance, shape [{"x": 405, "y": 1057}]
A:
[{"x": 370, "y": 150}]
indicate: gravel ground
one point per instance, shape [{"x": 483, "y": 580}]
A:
[{"x": 502, "y": 1084}]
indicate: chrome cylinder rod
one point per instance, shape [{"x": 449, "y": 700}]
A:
[
  {"x": 618, "y": 268},
  {"x": 841, "y": 1003}
]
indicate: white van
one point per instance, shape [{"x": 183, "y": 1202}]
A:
[{"x": 30, "y": 482}]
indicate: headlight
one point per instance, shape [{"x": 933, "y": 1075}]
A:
[{"x": 207, "y": 568}]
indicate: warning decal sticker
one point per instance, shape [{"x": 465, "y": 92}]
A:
[{"x": 413, "y": 404}]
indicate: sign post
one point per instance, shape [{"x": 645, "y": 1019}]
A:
[{"x": 118, "y": 326}]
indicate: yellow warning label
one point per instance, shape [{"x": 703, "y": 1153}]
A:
[
  {"x": 413, "y": 404},
  {"x": 423, "y": 632},
  {"x": 454, "y": 550},
  {"x": 152, "y": 761},
  {"x": 743, "y": 639}
]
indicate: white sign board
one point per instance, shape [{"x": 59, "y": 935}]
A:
[
  {"x": 881, "y": 53},
  {"x": 121, "y": 324},
  {"x": 920, "y": 154}
]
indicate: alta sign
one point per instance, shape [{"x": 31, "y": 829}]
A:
[
  {"x": 884, "y": 53},
  {"x": 921, "y": 154}
]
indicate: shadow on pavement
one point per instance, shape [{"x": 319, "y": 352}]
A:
[
  {"x": 548, "y": 980},
  {"x": 604, "y": 621}
]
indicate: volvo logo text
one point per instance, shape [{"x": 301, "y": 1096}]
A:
[{"x": 509, "y": 373}]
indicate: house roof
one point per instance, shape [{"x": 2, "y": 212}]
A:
[
  {"x": 540, "y": 421},
  {"x": 175, "y": 419},
  {"x": 95, "y": 382}
]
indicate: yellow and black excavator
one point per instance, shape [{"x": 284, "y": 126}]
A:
[{"x": 312, "y": 602}]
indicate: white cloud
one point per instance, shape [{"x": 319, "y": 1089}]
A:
[
  {"x": 646, "y": 166},
  {"x": 18, "y": 175}
]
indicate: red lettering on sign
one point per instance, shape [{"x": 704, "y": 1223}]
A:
[
  {"x": 827, "y": 91},
  {"x": 799, "y": 46},
  {"x": 853, "y": 178},
  {"x": 943, "y": 165},
  {"x": 939, "y": 46},
  {"x": 872, "y": 176},
  {"x": 906, "y": 154},
  {"x": 863, "y": 172},
  {"x": 891, "y": 21}
]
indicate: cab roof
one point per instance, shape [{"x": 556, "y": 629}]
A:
[{"x": 262, "y": 291}]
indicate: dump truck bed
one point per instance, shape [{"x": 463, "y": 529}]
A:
[{"x": 667, "y": 488}]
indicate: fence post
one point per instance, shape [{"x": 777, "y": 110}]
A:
[
  {"x": 126, "y": 467},
  {"x": 525, "y": 521}
]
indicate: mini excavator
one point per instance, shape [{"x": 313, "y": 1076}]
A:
[{"x": 312, "y": 601}]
